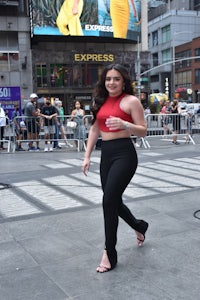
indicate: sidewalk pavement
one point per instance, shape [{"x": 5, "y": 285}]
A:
[{"x": 55, "y": 257}]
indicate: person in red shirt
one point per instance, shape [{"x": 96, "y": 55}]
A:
[{"x": 117, "y": 115}]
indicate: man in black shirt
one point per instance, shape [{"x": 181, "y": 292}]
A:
[{"x": 49, "y": 114}]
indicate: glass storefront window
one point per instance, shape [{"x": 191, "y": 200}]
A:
[
  {"x": 14, "y": 61},
  {"x": 197, "y": 53},
  {"x": 75, "y": 75},
  {"x": 9, "y": 42},
  {"x": 155, "y": 59},
  {"x": 183, "y": 55},
  {"x": 184, "y": 78},
  {"x": 9, "y": 61},
  {"x": 166, "y": 55},
  {"x": 197, "y": 76},
  {"x": 155, "y": 38},
  {"x": 4, "y": 62},
  {"x": 166, "y": 34},
  {"x": 68, "y": 75},
  {"x": 60, "y": 75},
  {"x": 41, "y": 75}
]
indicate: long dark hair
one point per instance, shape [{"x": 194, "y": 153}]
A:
[{"x": 100, "y": 93}]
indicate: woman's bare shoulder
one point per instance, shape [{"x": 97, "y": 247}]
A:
[{"x": 131, "y": 99}]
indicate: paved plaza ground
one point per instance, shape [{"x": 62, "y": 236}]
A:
[{"x": 51, "y": 228}]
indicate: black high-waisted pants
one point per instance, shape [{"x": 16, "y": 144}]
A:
[{"x": 118, "y": 165}]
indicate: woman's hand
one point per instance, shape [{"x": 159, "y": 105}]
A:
[
  {"x": 114, "y": 123},
  {"x": 86, "y": 166}
]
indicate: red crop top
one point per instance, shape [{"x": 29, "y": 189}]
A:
[{"x": 112, "y": 108}]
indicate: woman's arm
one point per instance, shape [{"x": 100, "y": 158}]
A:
[
  {"x": 138, "y": 127},
  {"x": 91, "y": 142},
  {"x": 72, "y": 115}
]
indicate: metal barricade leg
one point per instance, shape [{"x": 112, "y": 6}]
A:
[{"x": 145, "y": 143}]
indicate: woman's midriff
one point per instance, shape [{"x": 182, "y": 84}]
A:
[{"x": 106, "y": 136}]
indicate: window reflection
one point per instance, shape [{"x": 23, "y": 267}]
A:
[
  {"x": 76, "y": 75},
  {"x": 14, "y": 61},
  {"x": 41, "y": 75},
  {"x": 67, "y": 75},
  {"x": 4, "y": 62},
  {"x": 9, "y": 61}
]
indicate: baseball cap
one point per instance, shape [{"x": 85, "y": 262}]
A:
[{"x": 33, "y": 95}]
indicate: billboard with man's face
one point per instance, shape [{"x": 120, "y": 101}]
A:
[{"x": 99, "y": 18}]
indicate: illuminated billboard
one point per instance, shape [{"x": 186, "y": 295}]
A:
[{"x": 99, "y": 18}]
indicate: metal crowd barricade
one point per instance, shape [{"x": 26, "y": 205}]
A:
[
  {"x": 140, "y": 140},
  {"x": 159, "y": 127},
  {"x": 6, "y": 136},
  {"x": 19, "y": 132},
  {"x": 164, "y": 125},
  {"x": 64, "y": 136},
  {"x": 196, "y": 128},
  {"x": 79, "y": 134}
]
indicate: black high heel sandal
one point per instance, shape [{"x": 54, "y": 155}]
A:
[{"x": 112, "y": 257}]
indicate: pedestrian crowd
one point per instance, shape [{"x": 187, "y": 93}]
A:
[
  {"x": 172, "y": 118},
  {"x": 49, "y": 122},
  {"x": 46, "y": 120}
]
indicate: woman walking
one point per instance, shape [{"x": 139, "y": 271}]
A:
[{"x": 117, "y": 115}]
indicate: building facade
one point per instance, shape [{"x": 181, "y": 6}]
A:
[
  {"x": 70, "y": 71},
  {"x": 187, "y": 71},
  {"x": 15, "y": 54},
  {"x": 168, "y": 28},
  {"x": 68, "y": 67},
  {"x": 65, "y": 67}
]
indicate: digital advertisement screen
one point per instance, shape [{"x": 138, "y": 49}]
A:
[{"x": 98, "y": 18}]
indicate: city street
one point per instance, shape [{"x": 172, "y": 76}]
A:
[{"x": 52, "y": 236}]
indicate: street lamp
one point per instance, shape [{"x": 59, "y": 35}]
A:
[{"x": 174, "y": 58}]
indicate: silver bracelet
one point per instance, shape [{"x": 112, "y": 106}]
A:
[{"x": 126, "y": 126}]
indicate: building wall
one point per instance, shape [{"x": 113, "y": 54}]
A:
[
  {"x": 191, "y": 66},
  {"x": 180, "y": 32},
  {"x": 15, "y": 39},
  {"x": 47, "y": 51},
  {"x": 15, "y": 22},
  {"x": 80, "y": 60}
]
